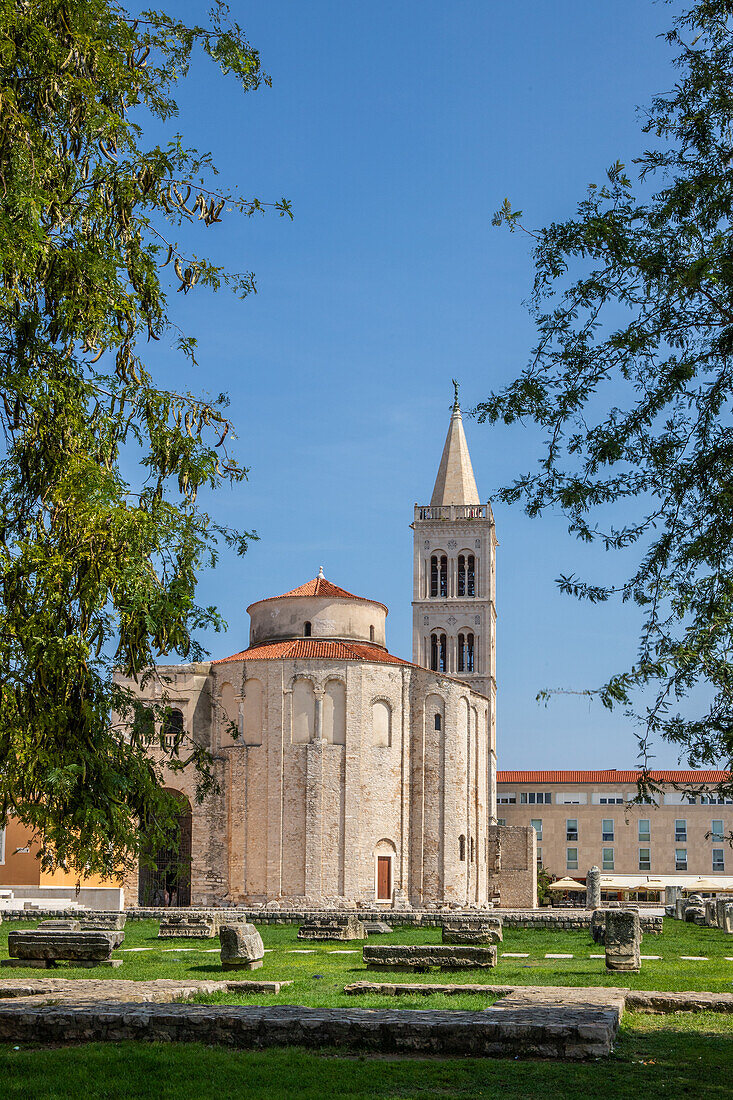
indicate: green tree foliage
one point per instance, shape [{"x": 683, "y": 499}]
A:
[
  {"x": 631, "y": 381},
  {"x": 97, "y": 569}
]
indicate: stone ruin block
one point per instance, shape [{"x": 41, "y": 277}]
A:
[
  {"x": 711, "y": 915},
  {"x": 44, "y": 948},
  {"x": 343, "y": 928},
  {"x": 188, "y": 926},
  {"x": 695, "y": 914},
  {"x": 113, "y": 924},
  {"x": 727, "y": 919},
  {"x": 241, "y": 947},
  {"x": 593, "y": 888},
  {"x": 376, "y": 927},
  {"x": 447, "y": 957},
  {"x": 598, "y": 926},
  {"x": 60, "y": 925},
  {"x": 679, "y": 908},
  {"x": 720, "y": 903},
  {"x": 623, "y": 939},
  {"x": 487, "y": 930}
]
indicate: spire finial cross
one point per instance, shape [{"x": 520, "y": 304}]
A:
[{"x": 455, "y": 398}]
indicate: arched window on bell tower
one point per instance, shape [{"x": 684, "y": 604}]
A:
[
  {"x": 466, "y": 575},
  {"x": 439, "y": 575},
  {"x": 465, "y": 652},
  {"x": 438, "y": 652}
]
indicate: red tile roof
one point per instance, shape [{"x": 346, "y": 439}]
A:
[
  {"x": 309, "y": 649},
  {"x": 612, "y": 776},
  {"x": 319, "y": 586}
]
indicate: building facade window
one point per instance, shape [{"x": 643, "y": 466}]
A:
[
  {"x": 680, "y": 859},
  {"x": 607, "y": 829},
  {"x": 645, "y": 859},
  {"x": 571, "y": 828},
  {"x": 539, "y": 858},
  {"x": 612, "y": 800},
  {"x": 716, "y": 829},
  {"x": 645, "y": 828},
  {"x": 607, "y": 854},
  {"x": 718, "y": 859},
  {"x": 306, "y": 630},
  {"x": 173, "y": 727},
  {"x": 536, "y": 824},
  {"x": 533, "y": 798},
  {"x": 506, "y": 799},
  {"x": 501, "y": 821},
  {"x": 680, "y": 829},
  {"x": 571, "y": 859},
  {"x": 439, "y": 575}
]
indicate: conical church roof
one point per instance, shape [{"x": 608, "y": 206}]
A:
[
  {"x": 319, "y": 586},
  {"x": 455, "y": 483}
]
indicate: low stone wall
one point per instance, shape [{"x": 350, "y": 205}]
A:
[
  {"x": 575, "y": 1032},
  {"x": 548, "y": 920}
]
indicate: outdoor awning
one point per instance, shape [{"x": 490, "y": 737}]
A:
[
  {"x": 706, "y": 886},
  {"x": 566, "y": 884}
]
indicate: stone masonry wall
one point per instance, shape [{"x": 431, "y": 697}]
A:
[{"x": 512, "y": 861}]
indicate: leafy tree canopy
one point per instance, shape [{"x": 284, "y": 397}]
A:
[
  {"x": 97, "y": 570},
  {"x": 631, "y": 380}
]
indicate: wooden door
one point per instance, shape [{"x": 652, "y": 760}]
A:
[{"x": 384, "y": 878}]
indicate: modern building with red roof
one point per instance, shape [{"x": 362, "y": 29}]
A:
[{"x": 666, "y": 825}]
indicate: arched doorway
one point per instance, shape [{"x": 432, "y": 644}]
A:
[{"x": 165, "y": 873}]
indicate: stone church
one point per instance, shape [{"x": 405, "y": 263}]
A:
[{"x": 346, "y": 773}]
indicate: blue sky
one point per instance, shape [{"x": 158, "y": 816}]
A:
[{"x": 396, "y": 129}]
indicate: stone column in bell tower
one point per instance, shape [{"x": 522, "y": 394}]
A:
[{"x": 454, "y": 583}]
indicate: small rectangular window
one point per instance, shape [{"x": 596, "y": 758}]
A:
[
  {"x": 571, "y": 828},
  {"x": 501, "y": 821},
  {"x": 716, "y": 829},
  {"x": 536, "y": 824},
  {"x": 718, "y": 859},
  {"x": 506, "y": 799},
  {"x": 645, "y": 829},
  {"x": 571, "y": 859},
  {"x": 607, "y": 829},
  {"x": 523, "y": 798},
  {"x": 539, "y": 857},
  {"x": 680, "y": 829},
  {"x": 645, "y": 860},
  {"x": 680, "y": 859},
  {"x": 608, "y": 859}
]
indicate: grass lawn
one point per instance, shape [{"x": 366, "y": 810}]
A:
[
  {"x": 319, "y": 977},
  {"x": 656, "y": 1056}
]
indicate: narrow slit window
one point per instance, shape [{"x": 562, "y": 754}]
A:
[
  {"x": 461, "y": 574},
  {"x": 462, "y": 848},
  {"x": 306, "y": 630},
  {"x": 438, "y": 723}
]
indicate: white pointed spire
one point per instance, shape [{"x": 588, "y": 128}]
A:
[{"x": 455, "y": 483}]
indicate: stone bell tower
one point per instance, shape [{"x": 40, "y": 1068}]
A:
[{"x": 454, "y": 579}]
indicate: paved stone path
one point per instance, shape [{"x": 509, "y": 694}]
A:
[{"x": 92, "y": 990}]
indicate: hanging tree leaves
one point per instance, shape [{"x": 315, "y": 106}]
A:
[
  {"x": 98, "y": 571},
  {"x": 632, "y": 381}
]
